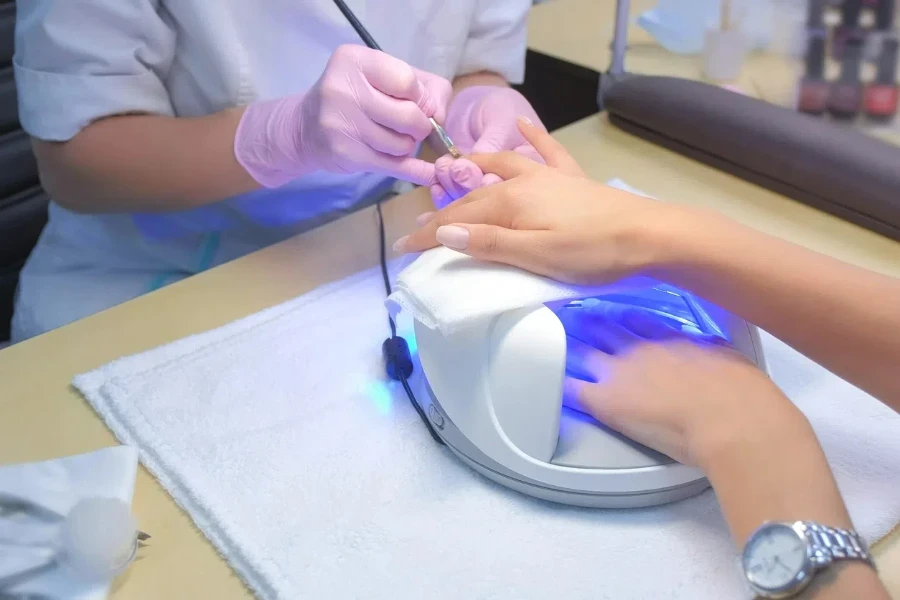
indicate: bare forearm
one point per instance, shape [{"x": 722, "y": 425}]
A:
[
  {"x": 145, "y": 163},
  {"x": 768, "y": 466},
  {"x": 841, "y": 316},
  {"x": 769, "y": 494}
]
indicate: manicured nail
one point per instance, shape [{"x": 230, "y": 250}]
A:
[
  {"x": 526, "y": 121},
  {"x": 400, "y": 245},
  {"x": 453, "y": 237},
  {"x": 424, "y": 218}
]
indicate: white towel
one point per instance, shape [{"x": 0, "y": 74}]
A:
[
  {"x": 313, "y": 476},
  {"x": 445, "y": 289},
  {"x": 58, "y": 485}
]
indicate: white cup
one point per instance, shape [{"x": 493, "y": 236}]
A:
[{"x": 723, "y": 54}]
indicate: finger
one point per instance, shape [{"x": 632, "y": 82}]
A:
[
  {"x": 490, "y": 179},
  {"x": 413, "y": 170},
  {"x": 553, "y": 153},
  {"x": 584, "y": 361},
  {"x": 402, "y": 116},
  {"x": 525, "y": 150},
  {"x": 600, "y": 400},
  {"x": 424, "y": 218},
  {"x": 381, "y": 139},
  {"x": 507, "y": 165},
  {"x": 573, "y": 392},
  {"x": 464, "y": 176},
  {"x": 395, "y": 78},
  {"x": 596, "y": 331},
  {"x": 475, "y": 207},
  {"x": 528, "y": 250},
  {"x": 648, "y": 326},
  {"x": 440, "y": 89},
  {"x": 439, "y": 197},
  {"x": 529, "y": 151},
  {"x": 442, "y": 171}
]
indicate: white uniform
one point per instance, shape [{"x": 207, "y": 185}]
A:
[{"x": 80, "y": 60}]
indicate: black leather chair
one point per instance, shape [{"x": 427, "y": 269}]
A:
[{"x": 23, "y": 204}]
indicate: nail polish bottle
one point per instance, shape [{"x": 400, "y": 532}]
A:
[
  {"x": 814, "y": 90},
  {"x": 845, "y": 97},
  {"x": 882, "y": 28},
  {"x": 882, "y": 94},
  {"x": 815, "y": 18},
  {"x": 849, "y": 28},
  {"x": 884, "y": 15}
]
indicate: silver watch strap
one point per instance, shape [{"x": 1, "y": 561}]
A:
[{"x": 830, "y": 544}]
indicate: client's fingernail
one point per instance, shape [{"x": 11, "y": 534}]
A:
[
  {"x": 526, "y": 121},
  {"x": 453, "y": 237},
  {"x": 424, "y": 218},
  {"x": 400, "y": 245}
]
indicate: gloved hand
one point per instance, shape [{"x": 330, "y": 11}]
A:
[
  {"x": 481, "y": 119},
  {"x": 367, "y": 112}
]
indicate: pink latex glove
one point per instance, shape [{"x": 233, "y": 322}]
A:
[
  {"x": 367, "y": 112},
  {"x": 481, "y": 119}
]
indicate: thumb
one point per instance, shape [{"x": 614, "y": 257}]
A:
[
  {"x": 436, "y": 93},
  {"x": 497, "y": 138},
  {"x": 522, "y": 249},
  {"x": 413, "y": 170}
]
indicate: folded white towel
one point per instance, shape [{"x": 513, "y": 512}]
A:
[
  {"x": 281, "y": 437},
  {"x": 445, "y": 289},
  {"x": 27, "y": 542}
]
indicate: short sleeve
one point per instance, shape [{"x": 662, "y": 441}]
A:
[
  {"x": 77, "y": 61},
  {"x": 497, "y": 39}
]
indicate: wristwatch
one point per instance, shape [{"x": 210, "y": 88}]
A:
[{"x": 780, "y": 559}]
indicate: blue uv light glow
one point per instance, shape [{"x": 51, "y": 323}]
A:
[
  {"x": 411, "y": 342},
  {"x": 676, "y": 307},
  {"x": 379, "y": 392}
]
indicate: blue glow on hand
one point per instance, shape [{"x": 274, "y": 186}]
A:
[{"x": 671, "y": 305}]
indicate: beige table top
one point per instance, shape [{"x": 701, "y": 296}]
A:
[
  {"x": 580, "y": 31},
  {"x": 43, "y": 418}
]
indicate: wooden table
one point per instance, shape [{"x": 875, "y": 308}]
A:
[{"x": 42, "y": 417}]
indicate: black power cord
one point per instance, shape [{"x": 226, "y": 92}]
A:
[{"x": 397, "y": 359}]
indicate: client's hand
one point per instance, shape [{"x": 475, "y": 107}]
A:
[
  {"x": 549, "y": 219},
  {"x": 481, "y": 119},
  {"x": 699, "y": 401},
  {"x": 682, "y": 394}
]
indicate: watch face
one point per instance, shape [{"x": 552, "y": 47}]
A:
[{"x": 775, "y": 558}]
